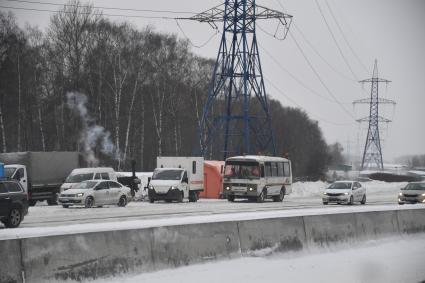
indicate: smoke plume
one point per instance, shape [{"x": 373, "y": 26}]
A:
[{"x": 91, "y": 135}]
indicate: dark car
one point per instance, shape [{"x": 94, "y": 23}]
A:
[{"x": 13, "y": 203}]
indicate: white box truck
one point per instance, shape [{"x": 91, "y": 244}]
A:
[{"x": 177, "y": 178}]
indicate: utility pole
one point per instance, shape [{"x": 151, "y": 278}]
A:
[
  {"x": 372, "y": 154},
  {"x": 236, "y": 117}
]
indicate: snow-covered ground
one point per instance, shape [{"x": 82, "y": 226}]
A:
[{"x": 392, "y": 260}]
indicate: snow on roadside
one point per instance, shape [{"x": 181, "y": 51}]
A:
[
  {"x": 391, "y": 260},
  {"x": 316, "y": 189}
]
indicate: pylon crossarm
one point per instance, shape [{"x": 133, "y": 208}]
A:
[
  {"x": 380, "y": 119},
  {"x": 380, "y": 101},
  {"x": 373, "y": 80}
]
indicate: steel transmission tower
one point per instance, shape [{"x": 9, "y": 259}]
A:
[
  {"x": 372, "y": 154},
  {"x": 236, "y": 117}
]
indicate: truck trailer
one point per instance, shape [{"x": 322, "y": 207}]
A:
[{"x": 40, "y": 173}]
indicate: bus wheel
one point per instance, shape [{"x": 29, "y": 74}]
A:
[
  {"x": 262, "y": 196},
  {"x": 280, "y": 197}
]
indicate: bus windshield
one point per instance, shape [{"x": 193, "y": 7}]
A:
[{"x": 242, "y": 170}]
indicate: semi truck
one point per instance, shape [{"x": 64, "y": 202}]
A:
[
  {"x": 177, "y": 178},
  {"x": 41, "y": 174}
]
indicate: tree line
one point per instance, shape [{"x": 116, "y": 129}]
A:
[{"x": 117, "y": 93}]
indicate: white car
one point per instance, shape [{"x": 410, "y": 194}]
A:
[
  {"x": 344, "y": 192},
  {"x": 96, "y": 193}
]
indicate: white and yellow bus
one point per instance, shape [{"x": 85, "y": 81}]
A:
[{"x": 257, "y": 177}]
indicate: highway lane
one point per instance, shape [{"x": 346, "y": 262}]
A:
[{"x": 43, "y": 215}]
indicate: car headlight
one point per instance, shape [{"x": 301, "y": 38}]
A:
[
  {"x": 250, "y": 189},
  {"x": 400, "y": 194},
  {"x": 151, "y": 187},
  {"x": 346, "y": 194},
  {"x": 423, "y": 195},
  {"x": 80, "y": 194},
  {"x": 172, "y": 188},
  {"x": 325, "y": 194}
]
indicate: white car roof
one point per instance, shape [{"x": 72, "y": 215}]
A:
[{"x": 93, "y": 170}]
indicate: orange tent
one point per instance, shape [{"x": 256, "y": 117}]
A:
[{"x": 213, "y": 179}]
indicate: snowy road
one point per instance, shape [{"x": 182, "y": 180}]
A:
[{"x": 305, "y": 196}]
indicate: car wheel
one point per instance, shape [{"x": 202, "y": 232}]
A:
[
  {"x": 151, "y": 200},
  {"x": 351, "y": 200},
  {"x": 261, "y": 197},
  {"x": 89, "y": 202},
  {"x": 231, "y": 198},
  {"x": 65, "y": 206},
  {"x": 325, "y": 203},
  {"x": 400, "y": 203},
  {"x": 14, "y": 218},
  {"x": 32, "y": 202},
  {"x": 122, "y": 202},
  {"x": 363, "y": 200}
]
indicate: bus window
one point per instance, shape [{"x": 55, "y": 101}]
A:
[
  {"x": 242, "y": 170},
  {"x": 274, "y": 169},
  {"x": 286, "y": 169},
  {"x": 268, "y": 169},
  {"x": 280, "y": 169}
]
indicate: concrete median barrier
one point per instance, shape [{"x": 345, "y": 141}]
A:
[
  {"x": 376, "y": 224},
  {"x": 411, "y": 221},
  {"x": 276, "y": 235},
  {"x": 324, "y": 230},
  {"x": 186, "y": 244},
  {"x": 86, "y": 256},
  {"x": 11, "y": 269}
]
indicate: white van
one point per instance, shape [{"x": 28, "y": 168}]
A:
[
  {"x": 177, "y": 178},
  {"x": 83, "y": 174}
]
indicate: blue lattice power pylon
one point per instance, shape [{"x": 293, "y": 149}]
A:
[
  {"x": 372, "y": 154},
  {"x": 236, "y": 117}
]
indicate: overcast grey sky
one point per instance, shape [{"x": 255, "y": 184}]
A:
[{"x": 392, "y": 31}]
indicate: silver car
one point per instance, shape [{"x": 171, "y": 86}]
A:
[
  {"x": 413, "y": 193},
  {"x": 344, "y": 192},
  {"x": 96, "y": 193}
]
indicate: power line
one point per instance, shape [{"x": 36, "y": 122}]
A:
[
  {"x": 190, "y": 41},
  {"x": 345, "y": 38},
  {"x": 294, "y": 102},
  {"x": 102, "y": 7},
  {"x": 320, "y": 79},
  {"x": 85, "y": 13},
  {"x": 294, "y": 77},
  {"x": 321, "y": 57},
  {"x": 335, "y": 41}
]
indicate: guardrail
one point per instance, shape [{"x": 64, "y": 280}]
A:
[{"x": 100, "y": 254}]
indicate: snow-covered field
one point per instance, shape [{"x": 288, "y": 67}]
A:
[{"x": 391, "y": 260}]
